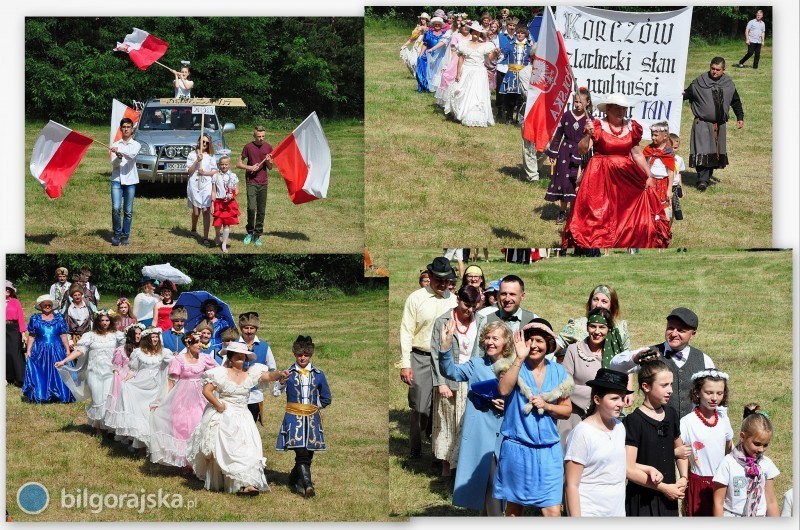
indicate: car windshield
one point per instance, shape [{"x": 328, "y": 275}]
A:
[{"x": 175, "y": 118}]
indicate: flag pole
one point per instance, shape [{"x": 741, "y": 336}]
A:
[
  {"x": 202, "y": 128},
  {"x": 99, "y": 142},
  {"x": 165, "y": 66}
]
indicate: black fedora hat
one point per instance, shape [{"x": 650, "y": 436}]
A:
[
  {"x": 610, "y": 379},
  {"x": 441, "y": 268}
]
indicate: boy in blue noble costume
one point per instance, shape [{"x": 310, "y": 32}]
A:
[
  {"x": 172, "y": 339},
  {"x": 307, "y": 392},
  {"x": 517, "y": 54}
]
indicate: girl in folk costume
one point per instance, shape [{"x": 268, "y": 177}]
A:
[
  {"x": 410, "y": 55},
  {"x": 225, "y": 449},
  {"x": 224, "y": 189},
  {"x": 92, "y": 376},
  {"x": 161, "y": 311},
  {"x": 566, "y": 163},
  {"x": 661, "y": 158},
  {"x": 177, "y": 412},
  {"x": 653, "y": 439},
  {"x": 124, "y": 318},
  {"x": 201, "y": 166},
  {"x": 146, "y": 376},
  {"x": 78, "y": 313},
  {"x": 450, "y": 64},
  {"x": 307, "y": 392},
  {"x": 59, "y": 291},
  {"x": 708, "y": 432},
  {"x": 744, "y": 483},
  {"x": 450, "y": 397},
  {"x": 429, "y": 63},
  {"x": 122, "y": 355},
  {"x": 517, "y": 54},
  {"x": 530, "y": 471}
]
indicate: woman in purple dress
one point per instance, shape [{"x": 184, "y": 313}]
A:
[{"x": 563, "y": 152}]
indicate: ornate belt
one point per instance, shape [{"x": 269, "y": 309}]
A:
[{"x": 299, "y": 409}]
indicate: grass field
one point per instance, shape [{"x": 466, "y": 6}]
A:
[
  {"x": 432, "y": 182},
  {"x": 743, "y": 300},
  {"x": 52, "y": 444},
  {"x": 80, "y": 220}
]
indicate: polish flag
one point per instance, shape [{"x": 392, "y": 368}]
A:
[
  {"x": 120, "y": 110},
  {"x": 551, "y": 85},
  {"x": 143, "y": 48},
  {"x": 304, "y": 160},
  {"x": 56, "y": 153}
]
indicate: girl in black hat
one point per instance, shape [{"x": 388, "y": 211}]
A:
[{"x": 594, "y": 469}]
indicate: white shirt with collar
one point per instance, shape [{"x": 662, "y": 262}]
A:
[
  {"x": 256, "y": 394},
  {"x": 123, "y": 169}
]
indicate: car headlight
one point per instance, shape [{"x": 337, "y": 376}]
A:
[
  {"x": 144, "y": 148},
  {"x": 170, "y": 151},
  {"x": 186, "y": 150}
]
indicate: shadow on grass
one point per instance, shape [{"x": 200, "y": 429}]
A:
[
  {"x": 502, "y": 233},
  {"x": 294, "y": 236},
  {"x": 41, "y": 239},
  {"x": 548, "y": 211},
  {"x": 180, "y": 231},
  {"x": 103, "y": 233}
]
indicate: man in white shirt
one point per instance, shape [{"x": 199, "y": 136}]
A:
[
  {"x": 421, "y": 309},
  {"x": 124, "y": 179},
  {"x": 754, "y": 35}
]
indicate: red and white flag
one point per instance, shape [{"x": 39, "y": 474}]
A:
[
  {"x": 551, "y": 84},
  {"x": 120, "y": 110},
  {"x": 56, "y": 153},
  {"x": 143, "y": 48},
  {"x": 304, "y": 160}
]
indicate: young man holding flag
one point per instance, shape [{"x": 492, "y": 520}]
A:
[{"x": 124, "y": 178}]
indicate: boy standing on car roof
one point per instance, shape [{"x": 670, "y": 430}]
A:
[{"x": 259, "y": 161}]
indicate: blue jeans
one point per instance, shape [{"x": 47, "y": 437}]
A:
[{"x": 122, "y": 199}]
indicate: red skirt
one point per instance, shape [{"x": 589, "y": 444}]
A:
[
  {"x": 699, "y": 499},
  {"x": 226, "y": 212},
  {"x": 614, "y": 210}
]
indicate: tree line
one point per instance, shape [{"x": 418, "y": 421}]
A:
[
  {"x": 281, "y": 67},
  {"x": 710, "y": 23},
  {"x": 312, "y": 275}
]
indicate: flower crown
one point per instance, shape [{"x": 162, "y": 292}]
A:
[
  {"x": 709, "y": 372},
  {"x": 141, "y": 327},
  {"x": 150, "y": 331},
  {"x": 107, "y": 313},
  {"x": 659, "y": 128},
  {"x": 123, "y": 301}
]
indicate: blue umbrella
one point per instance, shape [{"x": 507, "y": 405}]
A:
[{"x": 193, "y": 301}]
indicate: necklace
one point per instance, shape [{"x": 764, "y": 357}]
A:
[
  {"x": 459, "y": 330},
  {"x": 647, "y": 406},
  {"x": 704, "y": 420}
]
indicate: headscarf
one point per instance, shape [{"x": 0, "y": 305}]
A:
[{"x": 613, "y": 343}]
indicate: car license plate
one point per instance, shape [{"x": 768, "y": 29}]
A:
[{"x": 175, "y": 165}]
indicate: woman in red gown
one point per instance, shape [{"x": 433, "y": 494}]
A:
[{"x": 616, "y": 204}]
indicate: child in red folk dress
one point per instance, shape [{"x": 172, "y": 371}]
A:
[
  {"x": 661, "y": 158},
  {"x": 224, "y": 189},
  {"x": 707, "y": 430}
]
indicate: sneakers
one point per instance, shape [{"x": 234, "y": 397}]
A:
[
  {"x": 124, "y": 242},
  {"x": 702, "y": 186},
  {"x": 115, "y": 241},
  {"x": 562, "y": 217},
  {"x": 248, "y": 238},
  {"x": 258, "y": 242},
  {"x": 739, "y": 65}
]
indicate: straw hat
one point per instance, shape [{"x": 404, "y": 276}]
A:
[
  {"x": 617, "y": 98},
  {"x": 237, "y": 347},
  {"x": 476, "y": 27},
  {"x": 41, "y": 299}
]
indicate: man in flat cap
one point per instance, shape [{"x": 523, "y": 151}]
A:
[
  {"x": 422, "y": 308},
  {"x": 681, "y": 358}
]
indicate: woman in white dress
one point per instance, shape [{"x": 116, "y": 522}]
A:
[
  {"x": 468, "y": 97},
  {"x": 411, "y": 54},
  {"x": 225, "y": 449},
  {"x": 92, "y": 376},
  {"x": 145, "y": 301},
  {"x": 201, "y": 166},
  {"x": 146, "y": 377}
]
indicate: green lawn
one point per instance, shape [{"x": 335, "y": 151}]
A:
[
  {"x": 52, "y": 444},
  {"x": 742, "y": 298},
  {"x": 80, "y": 220},
  {"x": 432, "y": 182}
]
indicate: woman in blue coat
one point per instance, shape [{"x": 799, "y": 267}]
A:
[{"x": 480, "y": 436}]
